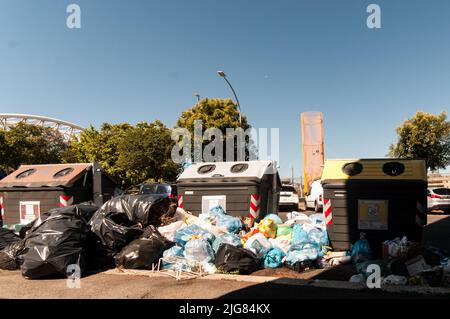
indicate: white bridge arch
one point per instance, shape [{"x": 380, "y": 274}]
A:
[{"x": 67, "y": 129}]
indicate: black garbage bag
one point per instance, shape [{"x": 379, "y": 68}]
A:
[
  {"x": 121, "y": 220},
  {"x": 7, "y": 237},
  {"x": 56, "y": 242},
  {"x": 85, "y": 210},
  {"x": 234, "y": 259},
  {"x": 9, "y": 256},
  {"x": 142, "y": 253}
]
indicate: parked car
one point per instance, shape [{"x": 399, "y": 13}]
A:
[
  {"x": 315, "y": 197},
  {"x": 439, "y": 199},
  {"x": 160, "y": 189},
  {"x": 289, "y": 197}
]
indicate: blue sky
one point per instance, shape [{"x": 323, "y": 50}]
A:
[{"x": 143, "y": 60}]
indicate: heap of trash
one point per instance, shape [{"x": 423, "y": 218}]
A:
[
  {"x": 402, "y": 263},
  {"x": 138, "y": 231},
  {"x": 148, "y": 232}
]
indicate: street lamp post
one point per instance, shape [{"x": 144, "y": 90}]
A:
[
  {"x": 198, "y": 96},
  {"x": 223, "y": 75}
]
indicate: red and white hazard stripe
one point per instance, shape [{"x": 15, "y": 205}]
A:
[
  {"x": 255, "y": 200},
  {"x": 65, "y": 200},
  {"x": 180, "y": 201},
  {"x": 2, "y": 208},
  {"x": 420, "y": 214},
  {"x": 327, "y": 211}
]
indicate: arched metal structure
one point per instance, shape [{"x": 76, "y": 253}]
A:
[{"x": 67, "y": 129}]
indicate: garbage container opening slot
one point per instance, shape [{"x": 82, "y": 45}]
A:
[
  {"x": 205, "y": 169},
  {"x": 352, "y": 169},
  {"x": 63, "y": 172},
  {"x": 26, "y": 173},
  {"x": 393, "y": 168},
  {"x": 239, "y": 168}
]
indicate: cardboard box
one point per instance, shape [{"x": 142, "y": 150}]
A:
[{"x": 416, "y": 265}]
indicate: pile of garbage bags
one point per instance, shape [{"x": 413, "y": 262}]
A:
[
  {"x": 146, "y": 232},
  {"x": 123, "y": 232},
  {"x": 402, "y": 263},
  {"x": 221, "y": 243}
]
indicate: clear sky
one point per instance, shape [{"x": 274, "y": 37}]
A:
[{"x": 143, "y": 60}]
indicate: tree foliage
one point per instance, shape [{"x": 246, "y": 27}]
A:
[
  {"x": 425, "y": 136},
  {"x": 30, "y": 144},
  {"x": 131, "y": 154},
  {"x": 215, "y": 113}
]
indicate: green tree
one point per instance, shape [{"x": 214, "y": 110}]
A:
[
  {"x": 215, "y": 113},
  {"x": 30, "y": 144},
  {"x": 425, "y": 136},
  {"x": 131, "y": 154},
  {"x": 100, "y": 146},
  {"x": 145, "y": 153}
]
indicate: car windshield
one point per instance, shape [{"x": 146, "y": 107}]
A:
[
  {"x": 442, "y": 191},
  {"x": 288, "y": 189}
]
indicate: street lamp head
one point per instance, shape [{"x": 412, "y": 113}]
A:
[{"x": 221, "y": 73}]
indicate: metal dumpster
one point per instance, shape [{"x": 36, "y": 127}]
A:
[
  {"x": 242, "y": 188},
  {"x": 384, "y": 198},
  {"x": 34, "y": 189}
]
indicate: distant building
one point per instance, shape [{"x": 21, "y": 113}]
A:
[{"x": 439, "y": 180}]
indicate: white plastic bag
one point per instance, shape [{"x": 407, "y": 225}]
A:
[
  {"x": 199, "y": 250},
  {"x": 168, "y": 231},
  {"x": 258, "y": 244},
  {"x": 358, "y": 279},
  {"x": 297, "y": 218},
  {"x": 282, "y": 242},
  {"x": 394, "y": 280}
]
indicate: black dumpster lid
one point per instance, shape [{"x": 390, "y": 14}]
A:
[{"x": 226, "y": 170}]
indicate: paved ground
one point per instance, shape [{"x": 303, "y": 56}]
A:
[
  {"x": 263, "y": 285},
  {"x": 154, "y": 286}
]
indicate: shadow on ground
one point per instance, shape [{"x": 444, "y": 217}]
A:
[
  {"x": 437, "y": 232},
  {"x": 279, "y": 289}
]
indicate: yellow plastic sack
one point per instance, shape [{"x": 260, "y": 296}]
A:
[{"x": 268, "y": 228}]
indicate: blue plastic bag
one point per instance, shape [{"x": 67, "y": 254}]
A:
[
  {"x": 175, "y": 251},
  {"x": 275, "y": 218},
  {"x": 361, "y": 250},
  {"x": 273, "y": 258},
  {"x": 216, "y": 211},
  {"x": 183, "y": 235},
  {"x": 319, "y": 236},
  {"x": 231, "y": 239},
  {"x": 229, "y": 223},
  {"x": 199, "y": 250},
  {"x": 303, "y": 252},
  {"x": 299, "y": 235}
]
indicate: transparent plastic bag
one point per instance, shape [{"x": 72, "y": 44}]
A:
[
  {"x": 199, "y": 250},
  {"x": 183, "y": 235},
  {"x": 231, "y": 239}
]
